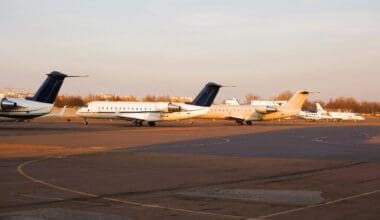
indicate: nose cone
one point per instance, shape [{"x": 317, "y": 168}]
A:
[{"x": 82, "y": 111}]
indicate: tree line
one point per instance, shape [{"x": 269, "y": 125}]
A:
[
  {"x": 337, "y": 104},
  {"x": 76, "y": 101}
]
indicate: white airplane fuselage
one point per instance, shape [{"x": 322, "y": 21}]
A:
[
  {"x": 141, "y": 111},
  {"x": 311, "y": 115},
  {"x": 249, "y": 113},
  {"x": 26, "y": 109},
  {"x": 246, "y": 113},
  {"x": 345, "y": 116}
]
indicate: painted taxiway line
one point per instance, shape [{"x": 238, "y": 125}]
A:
[
  {"x": 20, "y": 170},
  {"x": 319, "y": 205},
  {"x": 40, "y": 197}
]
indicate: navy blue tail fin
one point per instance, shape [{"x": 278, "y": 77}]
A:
[
  {"x": 207, "y": 95},
  {"x": 50, "y": 88}
]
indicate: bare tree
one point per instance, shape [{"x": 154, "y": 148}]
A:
[
  {"x": 337, "y": 104},
  {"x": 285, "y": 95},
  {"x": 250, "y": 97}
]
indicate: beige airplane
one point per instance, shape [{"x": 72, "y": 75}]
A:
[{"x": 248, "y": 113}]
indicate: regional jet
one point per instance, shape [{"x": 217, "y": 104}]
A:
[
  {"x": 151, "y": 112},
  {"x": 249, "y": 113},
  {"x": 40, "y": 104}
]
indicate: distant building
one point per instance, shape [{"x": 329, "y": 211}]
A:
[
  {"x": 11, "y": 94},
  {"x": 233, "y": 101},
  {"x": 268, "y": 103},
  {"x": 107, "y": 96}
]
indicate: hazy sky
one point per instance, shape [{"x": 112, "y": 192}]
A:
[{"x": 174, "y": 47}]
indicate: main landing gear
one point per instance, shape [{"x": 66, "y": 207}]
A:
[
  {"x": 239, "y": 122},
  {"x": 138, "y": 123},
  {"x": 85, "y": 122}
]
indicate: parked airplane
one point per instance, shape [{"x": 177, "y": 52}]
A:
[
  {"x": 323, "y": 114},
  {"x": 151, "y": 112},
  {"x": 249, "y": 113},
  {"x": 340, "y": 115},
  {"x": 311, "y": 115},
  {"x": 40, "y": 104}
]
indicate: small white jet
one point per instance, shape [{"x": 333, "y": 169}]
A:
[
  {"x": 40, "y": 104},
  {"x": 312, "y": 115},
  {"x": 249, "y": 113},
  {"x": 151, "y": 112},
  {"x": 323, "y": 114},
  {"x": 339, "y": 115}
]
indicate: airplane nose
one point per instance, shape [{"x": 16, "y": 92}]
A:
[{"x": 81, "y": 110}]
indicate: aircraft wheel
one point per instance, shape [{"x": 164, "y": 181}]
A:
[
  {"x": 248, "y": 122},
  {"x": 152, "y": 123},
  {"x": 85, "y": 122},
  {"x": 239, "y": 122}
]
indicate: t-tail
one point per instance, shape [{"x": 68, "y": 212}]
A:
[
  {"x": 296, "y": 101},
  {"x": 319, "y": 108},
  {"x": 207, "y": 95},
  {"x": 49, "y": 89}
]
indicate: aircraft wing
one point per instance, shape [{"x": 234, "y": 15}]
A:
[
  {"x": 143, "y": 116},
  {"x": 235, "y": 117}
]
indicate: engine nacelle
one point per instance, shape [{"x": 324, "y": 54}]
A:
[
  {"x": 5, "y": 104},
  {"x": 167, "y": 107},
  {"x": 265, "y": 109}
]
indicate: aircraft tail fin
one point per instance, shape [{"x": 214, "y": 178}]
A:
[
  {"x": 49, "y": 89},
  {"x": 207, "y": 95},
  {"x": 296, "y": 101},
  {"x": 62, "y": 112},
  {"x": 319, "y": 108}
]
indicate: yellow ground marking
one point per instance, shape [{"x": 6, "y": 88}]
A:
[
  {"x": 127, "y": 202},
  {"x": 145, "y": 205},
  {"x": 40, "y": 197},
  {"x": 319, "y": 205}
]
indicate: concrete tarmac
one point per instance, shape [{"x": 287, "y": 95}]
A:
[
  {"x": 320, "y": 143},
  {"x": 113, "y": 170}
]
